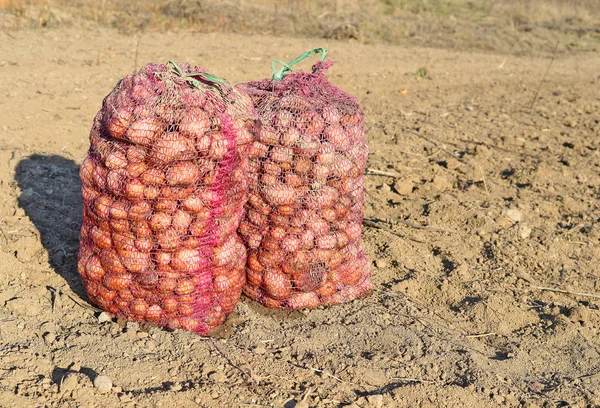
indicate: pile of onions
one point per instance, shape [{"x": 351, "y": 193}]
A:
[
  {"x": 304, "y": 213},
  {"x": 164, "y": 184}
]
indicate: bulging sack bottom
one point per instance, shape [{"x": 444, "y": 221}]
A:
[
  {"x": 304, "y": 213},
  {"x": 164, "y": 184}
]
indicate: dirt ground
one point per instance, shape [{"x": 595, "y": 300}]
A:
[{"x": 488, "y": 208}]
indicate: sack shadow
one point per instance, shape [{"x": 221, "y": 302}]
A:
[{"x": 51, "y": 198}]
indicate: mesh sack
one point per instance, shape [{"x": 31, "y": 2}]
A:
[
  {"x": 305, "y": 209},
  {"x": 164, "y": 183}
]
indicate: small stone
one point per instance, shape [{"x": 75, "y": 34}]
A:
[
  {"x": 214, "y": 395},
  {"x": 570, "y": 122},
  {"x": 384, "y": 187},
  {"x": 69, "y": 382},
  {"x": 175, "y": 387},
  {"x": 381, "y": 263},
  {"x": 404, "y": 187},
  {"x": 132, "y": 326},
  {"x": 217, "y": 376},
  {"x": 104, "y": 317},
  {"x": 103, "y": 383},
  {"x": 260, "y": 349},
  {"x": 513, "y": 214},
  {"x": 74, "y": 366},
  {"x": 524, "y": 231},
  {"x": 117, "y": 390}
]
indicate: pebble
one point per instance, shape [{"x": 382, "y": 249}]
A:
[
  {"x": 74, "y": 366},
  {"x": 385, "y": 188},
  {"x": 69, "y": 382},
  {"x": 175, "y": 387},
  {"x": 513, "y": 214},
  {"x": 381, "y": 263},
  {"x": 524, "y": 231},
  {"x": 103, "y": 383},
  {"x": 132, "y": 326},
  {"x": 104, "y": 317},
  {"x": 117, "y": 389},
  {"x": 141, "y": 334}
]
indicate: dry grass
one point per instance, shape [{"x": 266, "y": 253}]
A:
[{"x": 498, "y": 25}]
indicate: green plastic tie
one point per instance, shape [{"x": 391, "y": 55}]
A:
[
  {"x": 287, "y": 68},
  {"x": 189, "y": 76}
]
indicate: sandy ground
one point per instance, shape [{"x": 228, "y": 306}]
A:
[{"x": 491, "y": 201}]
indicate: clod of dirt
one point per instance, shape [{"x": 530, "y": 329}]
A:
[
  {"x": 375, "y": 377},
  {"x": 23, "y": 306},
  {"x": 49, "y": 338},
  {"x": 440, "y": 183},
  {"x": 103, "y": 384},
  {"x": 375, "y": 401},
  {"x": 260, "y": 350},
  {"x": 404, "y": 187},
  {"x": 371, "y": 401},
  {"x": 69, "y": 383},
  {"x": 217, "y": 376},
  {"x": 580, "y": 314}
]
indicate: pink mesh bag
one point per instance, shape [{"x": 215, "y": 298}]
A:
[
  {"x": 164, "y": 183},
  {"x": 304, "y": 214}
]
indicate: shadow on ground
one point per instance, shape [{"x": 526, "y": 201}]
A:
[{"x": 51, "y": 198}]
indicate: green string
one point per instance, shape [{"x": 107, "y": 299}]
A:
[
  {"x": 189, "y": 76},
  {"x": 287, "y": 68}
]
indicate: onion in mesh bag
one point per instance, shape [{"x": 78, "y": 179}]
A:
[
  {"x": 304, "y": 214},
  {"x": 164, "y": 184}
]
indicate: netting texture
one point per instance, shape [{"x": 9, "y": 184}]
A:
[
  {"x": 164, "y": 183},
  {"x": 304, "y": 213}
]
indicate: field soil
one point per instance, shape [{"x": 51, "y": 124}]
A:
[{"x": 482, "y": 223}]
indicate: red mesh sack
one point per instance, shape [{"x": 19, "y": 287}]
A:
[
  {"x": 304, "y": 214},
  {"x": 164, "y": 183}
]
